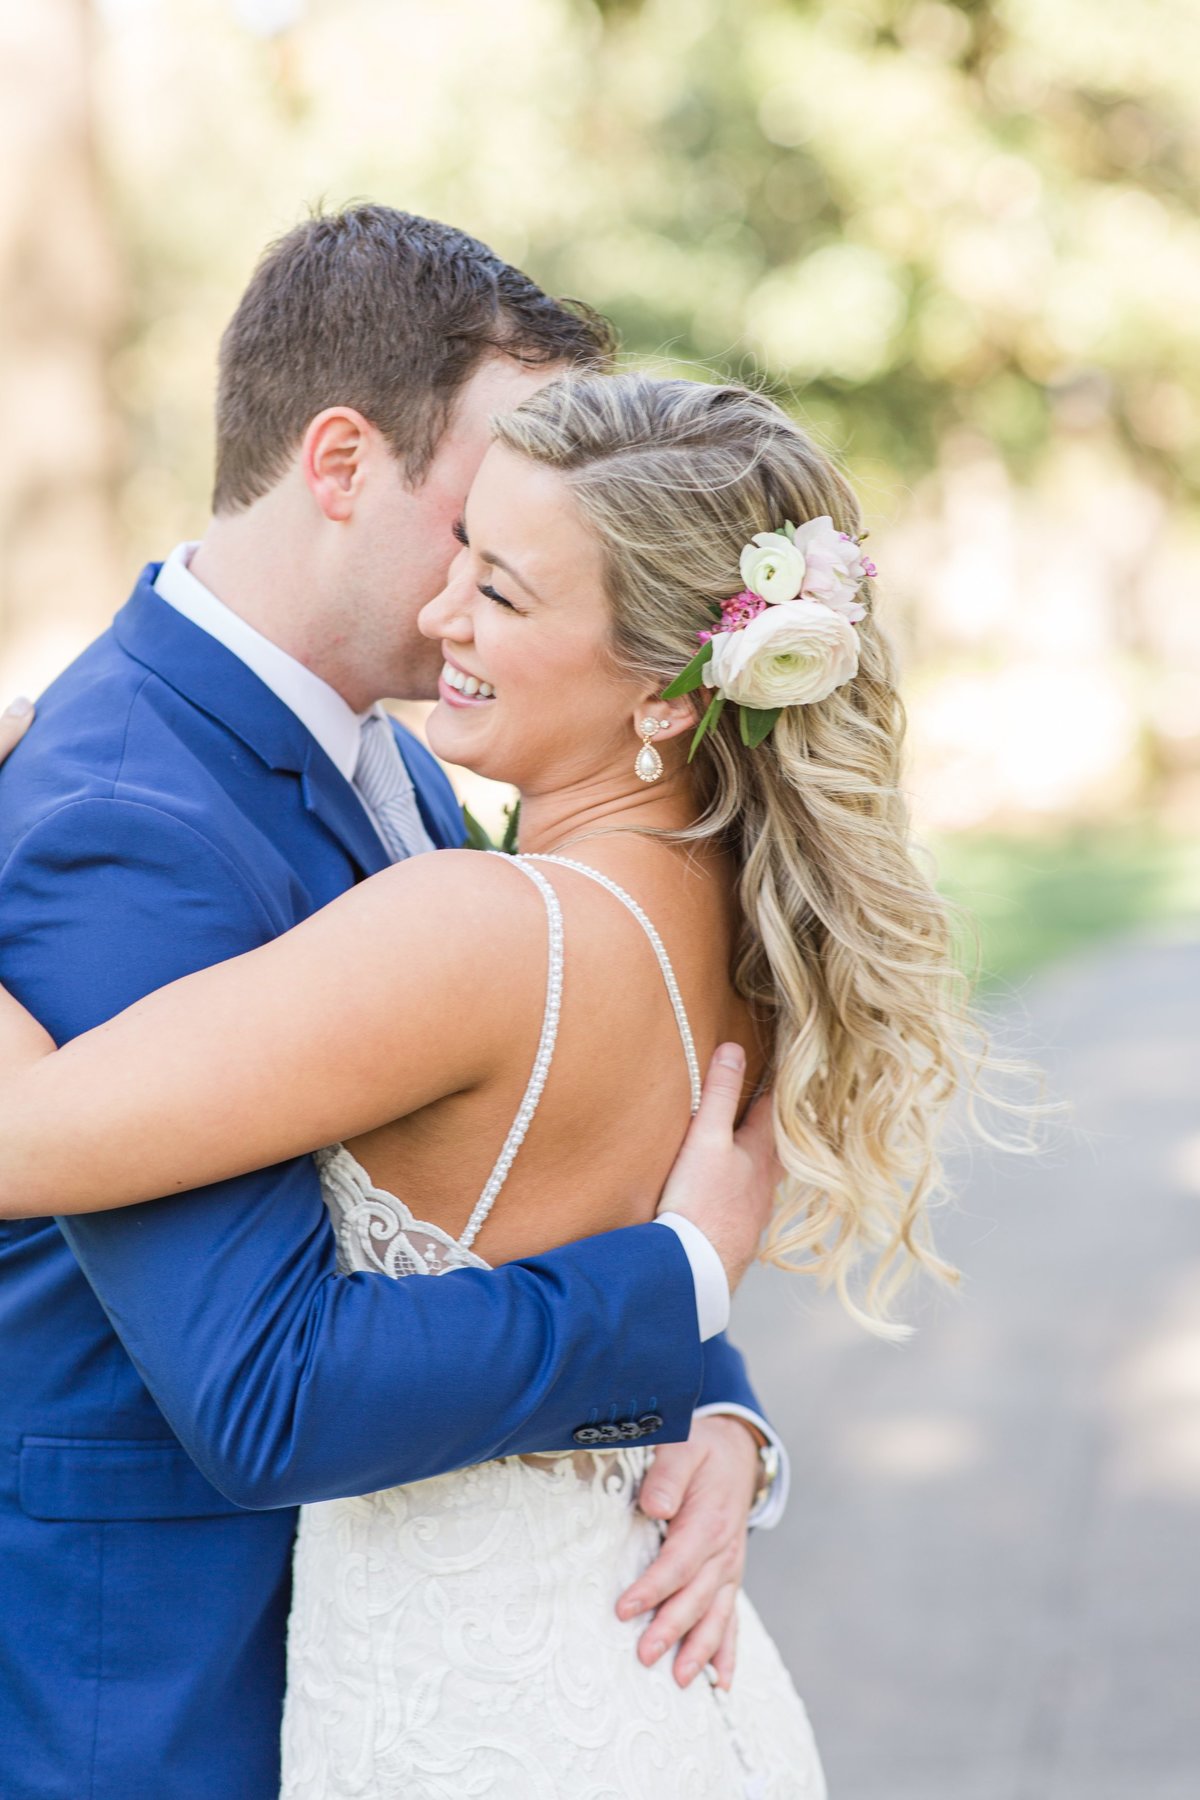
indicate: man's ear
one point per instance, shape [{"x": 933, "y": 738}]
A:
[{"x": 333, "y": 457}]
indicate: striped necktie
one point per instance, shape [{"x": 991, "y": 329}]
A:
[{"x": 385, "y": 788}]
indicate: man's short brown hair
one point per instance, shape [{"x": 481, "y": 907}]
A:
[{"x": 388, "y": 313}]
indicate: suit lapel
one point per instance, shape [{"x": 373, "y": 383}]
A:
[{"x": 211, "y": 678}]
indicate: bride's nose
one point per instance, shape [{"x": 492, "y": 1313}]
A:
[{"x": 448, "y": 614}]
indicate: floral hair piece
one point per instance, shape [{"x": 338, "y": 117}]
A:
[{"x": 788, "y": 638}]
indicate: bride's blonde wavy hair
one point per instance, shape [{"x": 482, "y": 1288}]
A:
[{"x": 846, "y": 950}]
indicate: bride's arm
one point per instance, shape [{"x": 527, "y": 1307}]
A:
[{"x": 362, "y": 1014}]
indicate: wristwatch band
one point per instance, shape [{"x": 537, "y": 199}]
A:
[{"x": 768, "y": 1475}]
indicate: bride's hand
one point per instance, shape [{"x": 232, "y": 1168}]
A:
[{"x": 15, "y": 721}]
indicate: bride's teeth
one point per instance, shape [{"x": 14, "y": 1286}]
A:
[{"x": 469, "y": 685}]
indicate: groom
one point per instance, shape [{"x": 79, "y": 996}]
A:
[{"x": 179, "y": 1377}]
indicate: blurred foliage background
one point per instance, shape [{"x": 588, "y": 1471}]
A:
[{"x": 961, "y": 240}]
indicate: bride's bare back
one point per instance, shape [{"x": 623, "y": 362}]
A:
[{"x": 618, "y": 1057}]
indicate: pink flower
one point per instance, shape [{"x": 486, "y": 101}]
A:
[
  {"x": 736, "y": 614},
  {"x": 834, "y": 567}
]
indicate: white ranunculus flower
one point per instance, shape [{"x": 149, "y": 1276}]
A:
[
  {"x": 772, "y": 567},
  {"x": 834, "y": 567},
  {"x": 791, "y": 655}
]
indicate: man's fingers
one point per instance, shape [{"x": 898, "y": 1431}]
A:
[
  {"x": 673, "y": 1567},
  {"x": 726, "y": 1658},
  {"x": 681, "y": 1612},
  {"x": 702, "y": 1534},
  {"x": 703, "y": 1641},
  {"x": 15, "y": 721},
  {"x": 668, "y": 1479},
  {"x": 722, "y": 1093}
]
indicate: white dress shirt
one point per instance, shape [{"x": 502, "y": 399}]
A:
[{"x": 338, "y": 729}]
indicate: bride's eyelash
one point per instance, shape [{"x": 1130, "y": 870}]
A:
[{"x": 485, "y": 587}]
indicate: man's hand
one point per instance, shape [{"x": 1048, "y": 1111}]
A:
[
  {"x": 704, "y": 1488},
  {"x": 724, "y": 1181}
]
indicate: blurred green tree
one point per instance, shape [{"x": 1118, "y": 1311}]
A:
[{"x": 961, "y": 239}]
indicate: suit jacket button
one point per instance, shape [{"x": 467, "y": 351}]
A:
[
  {"x": 587, "y": 1434},
  {"x": 650, "y": 1422}
]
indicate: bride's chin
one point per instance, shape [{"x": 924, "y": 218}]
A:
[{"x": 449, "y": 735}]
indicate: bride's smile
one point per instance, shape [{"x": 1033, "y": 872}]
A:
[{"x": 458, "y": 687}]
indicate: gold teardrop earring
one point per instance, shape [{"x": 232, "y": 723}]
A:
[{"x": 649, "y": 764}]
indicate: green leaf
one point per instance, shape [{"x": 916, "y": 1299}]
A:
[
  {"x": 509, "y": 841},
  {"x": 789, "y": 531},
  {"x": 477, "y": 836},
  {"x": 757, "y": 723},
  {"x": 716, "y": 707},
  {"x": 689, "y": 679}
]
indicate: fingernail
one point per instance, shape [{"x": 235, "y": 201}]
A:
[
  {"x": 629, "y": 1609},
  {"x": 655, "y": 1648},
  {"x": 731, "y": 1056},
  {"x": 686, "y": 1672},
  {"x": 20, "y": 708}
]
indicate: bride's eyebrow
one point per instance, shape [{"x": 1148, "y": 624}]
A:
[{"x": 498, "y": 562}]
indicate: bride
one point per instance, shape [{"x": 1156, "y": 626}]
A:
[{"x": 659, "y": 627}]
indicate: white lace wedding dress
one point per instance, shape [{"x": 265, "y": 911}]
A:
[{"x": 456, "y": 1639}]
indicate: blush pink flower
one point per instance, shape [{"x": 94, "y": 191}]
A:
[
  {"x": 834, "y": 567},
  {"x": 736, "y": 614}
]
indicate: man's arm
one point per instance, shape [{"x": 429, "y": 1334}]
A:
[{"x": 284, "y": 1381}]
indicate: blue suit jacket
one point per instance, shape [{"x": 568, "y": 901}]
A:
[{"x": 178, "y": 1377}]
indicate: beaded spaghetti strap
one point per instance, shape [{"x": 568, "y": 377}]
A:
[
  {"x": 545, "y": 1052},
  {"x": 664, "y": 962}
]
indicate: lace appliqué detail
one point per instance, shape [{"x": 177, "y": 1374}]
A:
[{"x": 375, "y": 1230}]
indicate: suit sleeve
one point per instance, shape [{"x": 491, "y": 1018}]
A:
[
  {"x": 724, "y": 1376},
  {"x": 285, "y": 1381}
]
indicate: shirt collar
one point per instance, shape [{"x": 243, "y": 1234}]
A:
[{"x": 319, "y": 708}]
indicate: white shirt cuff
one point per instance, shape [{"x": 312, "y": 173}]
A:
[
  {"x": 708, "y": 1273},
  {"x": 769, "y": 1510}
]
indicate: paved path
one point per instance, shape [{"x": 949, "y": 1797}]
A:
[{"x": 988, "y": 1584}]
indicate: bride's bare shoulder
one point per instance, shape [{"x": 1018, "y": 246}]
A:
[
  {"x": 457, "y": 877},
  {"x": 460, "y": 907}
]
